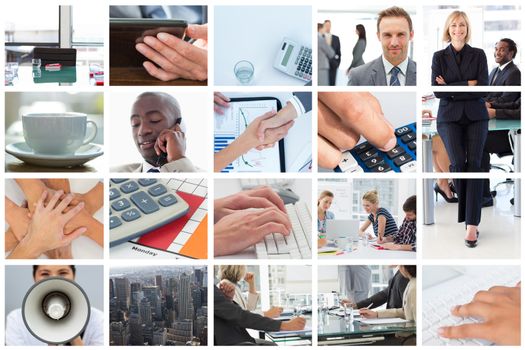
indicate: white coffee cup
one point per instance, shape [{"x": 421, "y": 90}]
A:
[{"x": 57, "y": 133}]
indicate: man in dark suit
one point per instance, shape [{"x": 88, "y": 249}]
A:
[
  {"x": 333, "y": 41},
  {"x": 505, "y": 74},
  {"x": 231, "y": 321},
  {"x": 391, "y": 295},
  {"x": 393, "y": 67}
]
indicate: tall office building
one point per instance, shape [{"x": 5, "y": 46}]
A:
[
  {"x": 159, "y": 336},
  {"x": 185, "y": 300},
  {"x": 145, "y": 311},
  {"x": 111, "y": 289},
  {"x": 122, "y": 291},
  {"x": 136, "y": 329},
  {"x": 181, "y": 332},
  {"x": 158, "y": 283},
  {"x": 119, "y": 333}
]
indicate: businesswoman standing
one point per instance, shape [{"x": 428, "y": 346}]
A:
[
  {"x": 462, "y": 120},
  {"x": 359, "y": 48}
]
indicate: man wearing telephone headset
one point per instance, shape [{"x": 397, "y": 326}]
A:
[
  {"x": 16, "y": 333},
  {"x": 158, "y": 133}
]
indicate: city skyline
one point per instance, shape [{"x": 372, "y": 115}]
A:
[{"x": 158, "y": 305}]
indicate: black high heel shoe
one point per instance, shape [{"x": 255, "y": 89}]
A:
[
  {"x": 444, "y": 195},
  {"x": 474, "y": 243}
]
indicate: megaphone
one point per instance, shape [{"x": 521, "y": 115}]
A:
[{"x": 56, "y": 310}]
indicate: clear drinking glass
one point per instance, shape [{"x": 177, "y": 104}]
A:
[{"x": 244, "y": 71}]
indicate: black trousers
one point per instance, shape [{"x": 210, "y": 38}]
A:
[{"x": 464, "y": 141}]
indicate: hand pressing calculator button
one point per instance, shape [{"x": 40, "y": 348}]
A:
[
  {"x": 139, "y": 206},
  {"x": 365, "y": 156}
]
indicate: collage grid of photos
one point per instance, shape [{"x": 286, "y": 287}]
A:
[{"x": 120, "y": 117}]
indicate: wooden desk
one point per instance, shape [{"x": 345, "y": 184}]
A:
[{"x": 139, "y": 76}]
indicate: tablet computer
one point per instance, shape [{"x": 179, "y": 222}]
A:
[
  {"x": 234, "y": 121},
  {"x": 125, "y": 33}
]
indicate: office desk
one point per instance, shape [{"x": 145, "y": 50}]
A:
[
  {"x": 291, "y": 337},
  {"x": 67, "y": 76},
  {"x": 513, "y": 126},
  {"x": 139, "y": 76},
  {"x": 335, "y": 330},
  {"x": 368, "y": 252}
]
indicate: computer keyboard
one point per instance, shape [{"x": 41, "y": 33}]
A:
[
  {"x": 366, "y": 158},
  {"x": 436, "y": 311},
  {"x": 248, "y": 184},
  {"x": 138, "y": 206},
  {"x": 297, "y": 245}
]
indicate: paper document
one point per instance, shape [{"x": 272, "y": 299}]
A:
[{"x": 382, "y": 320}]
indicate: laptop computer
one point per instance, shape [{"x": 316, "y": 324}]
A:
[{"x": 341, "y": 228}]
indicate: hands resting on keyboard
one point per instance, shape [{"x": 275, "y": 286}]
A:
[
  {"x": 237, "y": 227},
  {"x": 499, "y": 310}
]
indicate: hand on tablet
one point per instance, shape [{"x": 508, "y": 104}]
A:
[{"x": 175, "y": 57}]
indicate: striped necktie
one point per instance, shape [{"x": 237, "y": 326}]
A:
[{"x": 394, "y": 80}]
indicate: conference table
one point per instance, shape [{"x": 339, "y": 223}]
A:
[{"x": 336, "y": 330}]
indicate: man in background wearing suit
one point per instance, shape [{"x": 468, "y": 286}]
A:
[
  {"x": 334, "y": 43},
  {"x": 231, "y": 321},
  {"x": 158, "y": 133},
  {"x": 394, "y": 67},
  {"x": 505, "y": 74},
  {"x": 324, "y": 54}
]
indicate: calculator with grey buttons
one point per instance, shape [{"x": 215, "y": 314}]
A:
[
  {"x": 294, "y": 60},
  {"x": 139, "y": 206}
]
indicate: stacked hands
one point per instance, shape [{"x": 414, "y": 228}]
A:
[
  {"x": 52, "y": 219},
  {"x": 295, "y": 324},
  {"x": 173, "y": 58},
  {"x": 244, "y": 218}
]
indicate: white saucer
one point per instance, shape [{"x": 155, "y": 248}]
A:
[{"x": 84, "y": 154}]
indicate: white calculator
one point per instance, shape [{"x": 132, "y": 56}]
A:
[
  {"x": 139, "y": 206},
  {"x": 294, "y": 60}
]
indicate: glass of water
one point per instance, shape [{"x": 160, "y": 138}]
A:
[{"x": 244, "y": 72}]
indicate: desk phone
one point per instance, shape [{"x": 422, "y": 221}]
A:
[
  {"x": 294, "y": 60},
  {"x": 366, "y": 158}
]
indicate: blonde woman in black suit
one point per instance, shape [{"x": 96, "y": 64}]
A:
[{"x": 462, "y": 120}]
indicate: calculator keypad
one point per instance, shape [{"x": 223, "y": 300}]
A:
[
  {"x": 399, "y": 159},
  {"x": 139, "y": 206},
  {"x": 304, "y": 64}
]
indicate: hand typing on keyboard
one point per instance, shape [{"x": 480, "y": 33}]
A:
[
  {"x": 261, "y": 197},
  {"x": 343, "y": 117},
  {"x": 244, "y": 228},
  {"x": 498, "y": 310}
]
